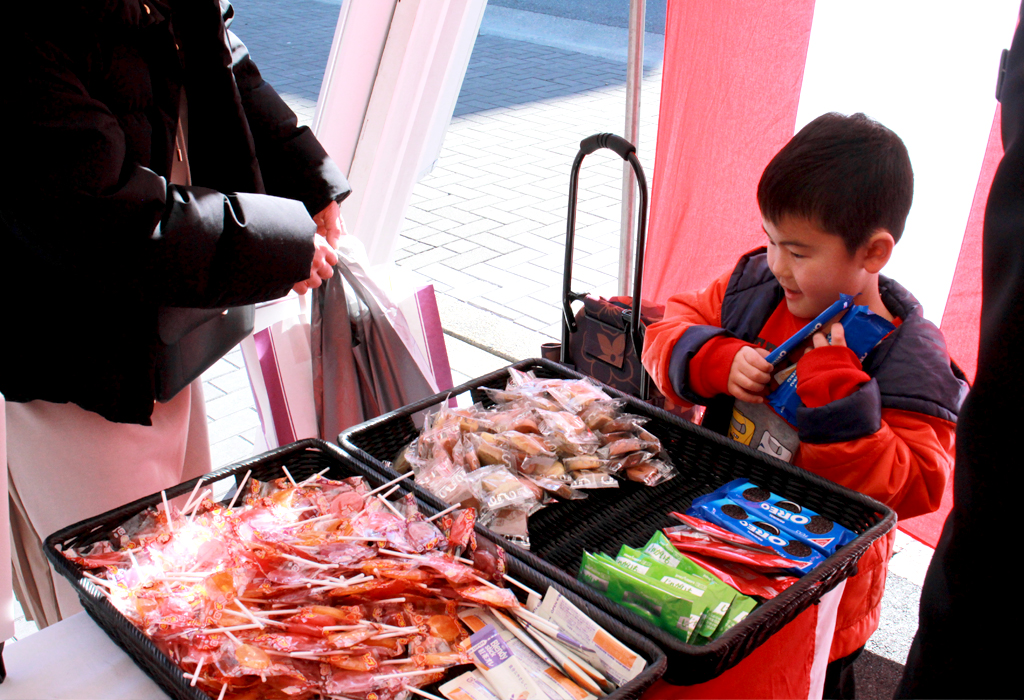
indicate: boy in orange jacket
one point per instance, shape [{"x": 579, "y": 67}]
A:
[{"x": 834, "y": 202}]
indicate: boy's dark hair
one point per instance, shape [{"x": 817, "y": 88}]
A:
[{"x": 851, "y": 176}]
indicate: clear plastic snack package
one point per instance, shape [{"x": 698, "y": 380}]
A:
[
  {"x": 560, "y": 436},
  {"x": 595, "y": 479},
  {"x": 497, "y": 487}
]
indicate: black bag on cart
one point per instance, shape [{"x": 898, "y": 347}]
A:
[{"x": 605, "y": 338}]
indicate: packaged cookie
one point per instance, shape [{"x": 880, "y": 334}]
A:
[
  {"x": 627, "y": 445},
  {"x": 509, "y": 522},
  {"x": 464, "y": 454},
  {"x": 567, "y": 433},
  {"x": 544, "y": 467},
  {"x": 729, "y": 515},
  {"x": 487, "y": 449},
  {"x": 596, "y": 479},
  {"x": 497, "y": 487},
  {"x": 814, "y": 529},
  {"x": 599, "y": 414},
  {"x": 575, "y": 395},
  {"x": 651, "y": 472},
  {"x": 516, "y": 416},
  {"x": 583, "y": 463},
  {"x": 529, "y": 445},
  {"x": 557, "y": 487}
]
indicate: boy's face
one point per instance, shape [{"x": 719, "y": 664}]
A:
[{"x": 812, "y": 266}]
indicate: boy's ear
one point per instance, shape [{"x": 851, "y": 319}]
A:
[{"x": 875, "y": 253}]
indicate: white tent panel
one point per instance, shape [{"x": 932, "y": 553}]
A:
[
  {"x": 359, "y": 40},
  {"x": 927, "y": 70},
  {"x": 414, "y": 90}
]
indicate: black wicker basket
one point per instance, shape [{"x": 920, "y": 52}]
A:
[
  {"x": 302, "y": 459},
  {"x": 608, "y": 518}
]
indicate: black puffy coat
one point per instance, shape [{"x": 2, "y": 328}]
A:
[{"x": 93, "y": 239}]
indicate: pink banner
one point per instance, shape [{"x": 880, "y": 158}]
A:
[{"x": 729, "y": 96}]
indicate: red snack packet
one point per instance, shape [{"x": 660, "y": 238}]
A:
[
  {"x": 744, "y": 579},
  {"x": 693, "y": 542},
  {"x": 715, "y": 532}
]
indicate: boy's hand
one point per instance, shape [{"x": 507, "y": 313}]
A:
[
  {"x": 749, "y": 374},
  {"x": 838, "y": 337}
]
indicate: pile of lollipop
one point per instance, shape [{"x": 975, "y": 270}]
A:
[{"x": 314, "y": 589}]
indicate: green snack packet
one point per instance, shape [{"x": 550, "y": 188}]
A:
[
  {"x": 711, "y": 599},
  {"x": 660, "y": 548},
  {"x": 594, "y": 573},
  {"x": 660, "y": 604},
  {"x": 738, "y": 611},
  {"x": 597, "y": 571}
]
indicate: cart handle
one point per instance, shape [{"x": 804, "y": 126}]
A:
[
  {"x": 627, "y": 152},
  {"x": 610, "y": 141}
]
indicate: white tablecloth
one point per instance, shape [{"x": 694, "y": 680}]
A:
[{"x": 73, "y": 660}]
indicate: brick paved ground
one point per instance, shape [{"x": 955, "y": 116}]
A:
[{"x": 488, "y": 225}]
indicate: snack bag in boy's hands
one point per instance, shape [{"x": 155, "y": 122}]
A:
[
  {"x": 760, "y": 427},
  {"x": 864, "y": 329},
  {"x": 756, "y": 424},
  {"x": 787, "y": 354}
]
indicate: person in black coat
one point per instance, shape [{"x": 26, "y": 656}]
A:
[
  {"x": 150, "y": 179},
  {"x": 969, "y": 614},
  {"x": 92, "y": 99}
]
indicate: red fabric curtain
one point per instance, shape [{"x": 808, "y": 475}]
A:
[
  {"x": 962, "y": 317},
  {"x": 729, "y": 96}
]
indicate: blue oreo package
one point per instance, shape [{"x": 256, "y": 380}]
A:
[
  {"x": 816, "y": 530},
  {"x": 864, "y": 329},
  {"x": 728, "y": 514},
  {"x": 783, "y": 352}
]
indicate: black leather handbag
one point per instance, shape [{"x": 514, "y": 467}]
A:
[{"x": 191, "y": 340}]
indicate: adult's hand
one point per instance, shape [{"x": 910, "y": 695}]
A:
[
  {"x": 329, "y": 224},
  {"x": 325, "y": 257}
]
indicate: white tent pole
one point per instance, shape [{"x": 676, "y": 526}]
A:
[{"x": 634, "y": 78}]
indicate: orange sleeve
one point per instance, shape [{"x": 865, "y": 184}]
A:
[
  {"x": 905, "y": 464},
  {"x": 703, "y": 308}
]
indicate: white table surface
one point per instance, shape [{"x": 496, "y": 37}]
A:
[{"x": 73, "y": 660}]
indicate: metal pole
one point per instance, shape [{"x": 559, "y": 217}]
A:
[{"x": 634, "y": 78}]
